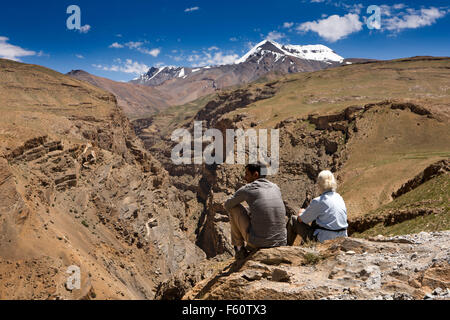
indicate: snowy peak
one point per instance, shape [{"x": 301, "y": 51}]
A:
[
  {"x": 157, "y": 75},
  {"x": 313, "y": 52},
  {"x": 307, "y": 52}
]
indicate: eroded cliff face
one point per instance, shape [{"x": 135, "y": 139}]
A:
[{"x": 78, "y": 189}]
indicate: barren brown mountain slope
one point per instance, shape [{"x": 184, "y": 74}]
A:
[
  {"x": 78, "y": 189},
  {"x": 136, "y": 101}
]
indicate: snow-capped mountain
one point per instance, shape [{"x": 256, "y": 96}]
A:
[
  {"x": 308, "y": 52},
  {"x": 267, "y": 56},
  {"x": 156, "y": 76}
]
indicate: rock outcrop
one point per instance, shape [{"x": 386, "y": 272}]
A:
[
  {"x": 397, "y": 268},
  {"x": 434, "y": 170}
]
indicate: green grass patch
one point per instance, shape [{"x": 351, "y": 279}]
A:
[
  {"x": 312, "y": 258},
  {"x": 428, "y": 223},
  {"x": 434, "y": 193}
]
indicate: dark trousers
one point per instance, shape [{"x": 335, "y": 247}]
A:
[{"x": 294, "y": 228}]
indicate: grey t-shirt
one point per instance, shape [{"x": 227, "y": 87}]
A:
[{"x": 267, "y": 212}]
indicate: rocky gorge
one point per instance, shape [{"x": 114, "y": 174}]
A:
[{"x": 82, "y": 185}]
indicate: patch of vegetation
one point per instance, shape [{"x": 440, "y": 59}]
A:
[
  {"x": 312, "y": 258},
  {"x": 84, "y": 223},
  {"x": 434, "y": 193},
  {"x": 187, "y": 110},
  {"x": 428, "y": 223}
]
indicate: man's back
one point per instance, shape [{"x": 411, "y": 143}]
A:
[{"x": 267, "y": 212}]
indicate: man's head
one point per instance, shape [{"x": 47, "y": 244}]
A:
[{"x": 253, "y": 171}]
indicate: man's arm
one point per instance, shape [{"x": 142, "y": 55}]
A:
[{"x": 237, "y": 198}]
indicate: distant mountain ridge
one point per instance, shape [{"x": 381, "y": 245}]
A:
[
  {"x": 267, "y": 56},
  {"x": 161, "y": 87}
]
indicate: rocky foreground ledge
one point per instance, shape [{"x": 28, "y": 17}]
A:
[{"x": 399, "y": 268}]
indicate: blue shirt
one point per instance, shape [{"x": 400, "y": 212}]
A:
[{"x": 330, "y": 212}]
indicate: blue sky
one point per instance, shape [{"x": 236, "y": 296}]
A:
[{"x": 120, "y": 39}]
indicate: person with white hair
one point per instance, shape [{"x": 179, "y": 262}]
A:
[{"x": 327, "y": 214}]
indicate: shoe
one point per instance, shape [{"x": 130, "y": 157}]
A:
[
  {"x": 250, "y": 249},
  {"x": 240, "y": 254}
]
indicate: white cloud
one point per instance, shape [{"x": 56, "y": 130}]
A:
[
  {"x": 208, "y": 59},
  {"x": 177, "y": 58},
  {"x": 127, "y": 66},
  {"x": 399, "y": 6},
  {"x": 334, "y": 27},
  {"x": 411, "y": 19},
  {"x": 131, "y": 66},
  {"x": 288, "y": 25},
  {"x": 234, "y": 39},
  {"x": 85, "y": 29},
  {"x": 137, "y": 45},
  {"x": 250, "y": 44},
  {"x": 395, "y": 18},
  {"x": 191, "y": 9},
  {"x": 153, "y": 52},
  {"x": 42, "y": 54},
  {"x": 275, "y": 35},
  {"x": 352, "y": 8},
  {"x": 194, "y": 58},
  {"x": 213, "y": 48},
  {"x": 12, "y": 52},
  {"x": 219, "y": 59},
  {"x": 116, "y": 45},
  {"x": 79, "y": 56},
  {"x": 134, "y": 45}
]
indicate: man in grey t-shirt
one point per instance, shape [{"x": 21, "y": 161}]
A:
[{"x": 263, "y": 226}]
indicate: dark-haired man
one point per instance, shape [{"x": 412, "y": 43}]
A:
[{"x": 263, "y": 226}]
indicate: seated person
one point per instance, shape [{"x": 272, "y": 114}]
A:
[
  {"x": 264, "y": 225},
  {"x": 327, "y": 213}
]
